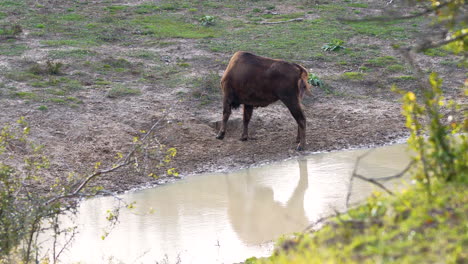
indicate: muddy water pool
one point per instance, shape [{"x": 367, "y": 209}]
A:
[{"x": 228, "y": 217}]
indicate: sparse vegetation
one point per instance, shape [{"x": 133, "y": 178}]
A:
[
  {"x": 10, "y": 31},
  {"x": 120, "y": 91},
  {"x": 353, "y": 75},
  {"x": 207, "y": 88}
]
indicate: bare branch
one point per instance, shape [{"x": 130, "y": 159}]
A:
[
  {"x": 430, "y": 44},
  {"x": 374, "y": 181}
]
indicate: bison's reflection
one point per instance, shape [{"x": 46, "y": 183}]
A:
[{"x": 254, "y": 214}]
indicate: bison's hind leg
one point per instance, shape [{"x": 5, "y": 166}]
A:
[{"x": 248, "y": 110}]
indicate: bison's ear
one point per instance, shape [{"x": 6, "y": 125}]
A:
[{"x": 304, "y": 87}]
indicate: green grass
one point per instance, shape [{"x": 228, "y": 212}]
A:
[
  {"x": 281, "y": 40},
  {"x": 121, "y": 91},
  {"x": 12, "y": 49},
  {"x": 383, "y": 30},
  {"x": 437, "y": 52},
  {"x": 382, "y": 61},
  {"x": 173, "y": 26},
  {"x": 358, "y": 5},
  {"x": 74, "y": 54},
  {"x": 26, "y": 95},
  {"x": 353, "y": 76},
  {"x": 396, "y": 68},
  {"x": 406, "y": 228}
]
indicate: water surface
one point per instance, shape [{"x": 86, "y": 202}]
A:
[{"x": 228, "y": 217}]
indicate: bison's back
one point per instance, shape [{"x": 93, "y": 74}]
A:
[{"x": 258, "y": 81}]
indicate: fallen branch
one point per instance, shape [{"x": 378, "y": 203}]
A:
[{"x": 281, "y": 22}]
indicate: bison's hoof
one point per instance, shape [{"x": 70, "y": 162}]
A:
[
  {"x": 220, "y": 136},
  {"x": 300, "y": 148},
  {"x": 243, "y": 138}
]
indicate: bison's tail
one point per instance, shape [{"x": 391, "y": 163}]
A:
[{"x": 304, "y": 86}]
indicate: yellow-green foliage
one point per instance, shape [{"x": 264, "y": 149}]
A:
[{"x": 406, "y": 228}]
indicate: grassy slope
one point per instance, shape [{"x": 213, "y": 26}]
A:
[
  {"x": 406, "y": 228},
  {"x": 75, "y": 33}
]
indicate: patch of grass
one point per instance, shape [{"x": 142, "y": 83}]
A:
[
  {"x": 358, "y": 5},
  {"x": 436, "y": 52},
  {"x": 147, "y": 8},
  {"x": 173, "y": 26},
  {"x": 382, "y": 61},
  {"x": 43, "y": 108},
  {"x": 396, "y": 68},
  {"x": 68, "y": 101},
  {"x": 102, "y": 82},
  {"x": 12, "y": 49},
  {"x": 10, "y": 31},
  {"x": 74, "y": 53},
  {"x": 22, "y": 76},
  {"x": 121, "y": 91},
  {"x": 71, "y": 17},
  {"x": 81, "y": 42},
  {"x": 284, "y": 41},
  {"x": 115, "y": 8},
  {"x": 26, "y": 95},
  {"x": 383, "y": 30},
  {"x": 144, "y": 54},
  {"x": 207, "y": 88},
  {"x": 353, "y": 76}
]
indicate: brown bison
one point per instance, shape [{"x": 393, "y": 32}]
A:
[{"x": 255, "y": 81}]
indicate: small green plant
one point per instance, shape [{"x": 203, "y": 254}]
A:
[
  {"x": 207, "y": 20},
  {"x": 50, "y": 68},
  {"x": 334, "y": 45},
  {"x": 315, "y": 80}
]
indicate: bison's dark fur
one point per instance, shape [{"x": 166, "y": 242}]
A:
[{"x": 258, "y": 81}]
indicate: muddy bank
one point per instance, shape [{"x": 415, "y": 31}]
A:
[{"x": 75, "y": 139}]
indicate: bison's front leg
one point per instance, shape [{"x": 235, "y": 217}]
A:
[
  {"x": 248, "y": 110},
  {"x": 226, "y": 114}
]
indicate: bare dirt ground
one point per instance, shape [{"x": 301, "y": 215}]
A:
[{"x": 75, "y": 138}]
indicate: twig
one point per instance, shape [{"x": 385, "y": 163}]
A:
[
  {"x": 374, "y": 181},
  {"x": 280, "y": 22},
  {"x": 429, "y": 44},
  {"x": 124, "y": 163},
  {"x": 351, "y": 178}
]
